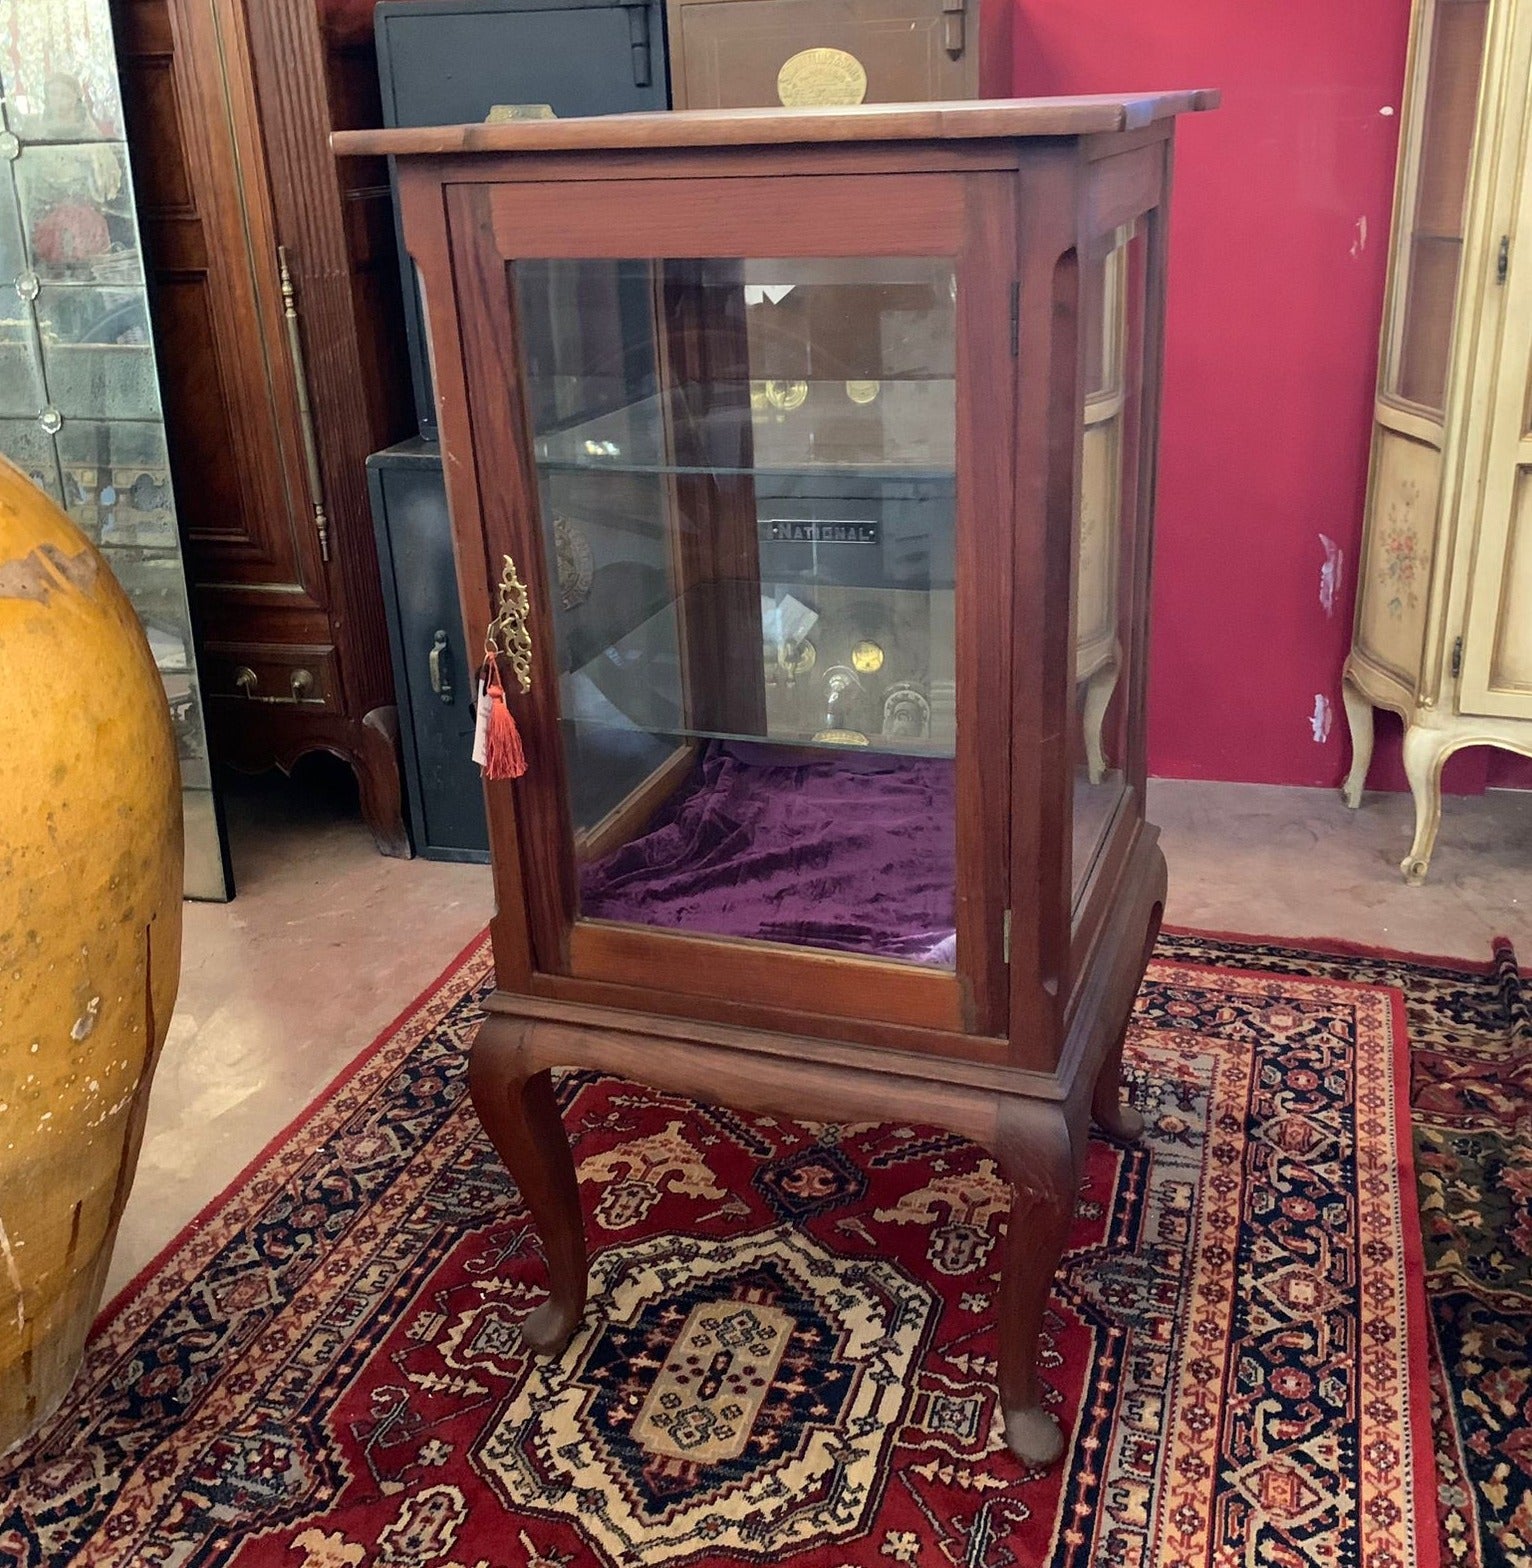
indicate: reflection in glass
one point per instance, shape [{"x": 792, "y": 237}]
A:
[
  {"x": 747, "y": 484},
  {"x": 31, "y": 449},
  {"x": 1111, "y": 299},
  {"x": 58, "y": 71},
  {"x": 77, "y": 212},
  {"x": 186, "y": 720},
  {"x": 98, "y": 357},
  {"x": 117, "y": 482},
  {"x": 154, "y": 581}
]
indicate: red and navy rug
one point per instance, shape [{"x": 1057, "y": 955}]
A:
[
  {"x": 1470, "y": 1029},
  {"x": 789, "y": 1352}
]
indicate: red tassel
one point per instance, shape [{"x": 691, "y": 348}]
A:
[{"x": 503, "y": 756}]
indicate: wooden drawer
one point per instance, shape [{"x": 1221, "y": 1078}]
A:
[{"x": 300, "y": 676}]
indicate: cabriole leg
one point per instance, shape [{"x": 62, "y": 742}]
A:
[
  {"x": 1359, "y": 714},
  {"x": 1037, "y": 1159},
  {"x": 1424, "y": 753},
  {"x": 518, "y": 1111},
  {"x": 1098, "y": 695}
]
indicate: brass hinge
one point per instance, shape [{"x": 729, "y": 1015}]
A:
[
  {"x": 305, "y": 408},
  {"x": 1015, "y": 316},
  {"x": 1503, "y": 259},
  {"x": 1457, "y": 656},
  {"x": 1005, "y": 938}
]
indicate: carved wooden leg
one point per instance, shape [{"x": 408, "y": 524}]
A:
[
  {"x": 522, "y": 1119},
  {"x": 1359, "y": 713},
  {"x": 1099, "y": 687},
  {"x": 1424, "y": 753},
  {"x": 1108, "y": 1110},
  {"x": 1038, "y": 1160},
  {"x": 376, "y": 765}
]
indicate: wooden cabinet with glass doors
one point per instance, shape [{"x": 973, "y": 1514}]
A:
[
  {"x": 823, "y": 447},
  {"x": 1443, "y": 631}
]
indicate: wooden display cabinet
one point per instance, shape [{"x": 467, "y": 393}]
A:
[{"x": 889, "y": 878}]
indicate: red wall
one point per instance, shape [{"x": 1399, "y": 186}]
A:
[{"x": 1278, "y": 252}]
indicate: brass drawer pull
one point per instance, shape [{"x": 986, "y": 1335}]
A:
[{"x": 300, "y": 683}]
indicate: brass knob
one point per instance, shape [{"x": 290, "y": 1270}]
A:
[
  {"x": 301, "y": 683},
  {"x": 246, "y": 679}
]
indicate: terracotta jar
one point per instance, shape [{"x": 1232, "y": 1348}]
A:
[{"x": 90, "y": 933}]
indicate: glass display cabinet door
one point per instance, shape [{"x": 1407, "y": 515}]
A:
[{"x": 760, "y": 498}]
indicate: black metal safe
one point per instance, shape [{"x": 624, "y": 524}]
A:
[
  {"x": 434, "y": 675},
  {"x": 452, "y": 62}
]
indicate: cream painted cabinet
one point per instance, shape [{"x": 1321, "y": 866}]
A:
[{"x": 1443, "y": 632}]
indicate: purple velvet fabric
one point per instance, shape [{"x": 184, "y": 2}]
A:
[{"x": 853, "y": 853}]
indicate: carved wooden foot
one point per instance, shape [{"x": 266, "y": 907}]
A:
[
  {"x": 1425, "y": 753},
  {"x": 1038, "y": 1160},
  {"x": 522, "y": 1119},
  {"x": 1112, "y": 1114},
  {"x": 376, "y": 765},
  {"x": 1360, "y": 716}
]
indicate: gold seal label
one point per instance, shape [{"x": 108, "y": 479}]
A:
[
  {"x": 821, "y": 76},
  {"x": 505, "y": 113}
]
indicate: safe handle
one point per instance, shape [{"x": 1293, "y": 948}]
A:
[
  {"x": 638, "y": 41},
  {"x": 437, "y": 660}
]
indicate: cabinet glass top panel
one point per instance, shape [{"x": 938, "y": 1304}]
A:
[{"x": 747, "y": 493}]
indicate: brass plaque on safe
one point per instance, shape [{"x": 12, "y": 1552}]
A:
[{"x": 821, "y": 76}]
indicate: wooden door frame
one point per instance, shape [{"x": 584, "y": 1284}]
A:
[{"x": 777, "y": 207}]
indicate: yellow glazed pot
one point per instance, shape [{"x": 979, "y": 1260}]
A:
[{"x": 90, "y": 933}]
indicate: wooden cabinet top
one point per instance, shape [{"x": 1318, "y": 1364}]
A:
[{"x": 1002, "y": 119}]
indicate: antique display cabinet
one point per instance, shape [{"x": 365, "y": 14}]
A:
[
  {"x": 819, "y": 816},
  {"x": 1443, "y": 631}
]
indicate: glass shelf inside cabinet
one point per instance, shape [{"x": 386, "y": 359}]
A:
[{"x": 895, "y": 428}]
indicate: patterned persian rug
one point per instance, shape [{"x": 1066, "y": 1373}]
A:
[
  {"x": 790, "y": 1348},
  {"x": 1470, "y": 1029}
]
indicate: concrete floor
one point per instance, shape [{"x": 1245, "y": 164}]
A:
[{"x": 327, "y": 942}]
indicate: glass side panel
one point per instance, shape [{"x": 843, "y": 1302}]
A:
[
  {"x": 1425, "y": 301},
  {"x": 1111, "y": 293},
  {"x": 79, "y": 394},
  {"x": 747, "y": 492}
]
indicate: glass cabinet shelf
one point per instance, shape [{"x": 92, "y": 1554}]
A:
[{"x": 894, "y": 429}]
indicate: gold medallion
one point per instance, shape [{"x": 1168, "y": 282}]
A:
[
  {"x": 821, "y": 77},
  {"x": 866, "y": 657},
  {"x": 798, "y": 658},
  {"x": 787, "y": 395},
  {"x": 863, "y": 391},
  {"x": 841, "y": 738}
]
